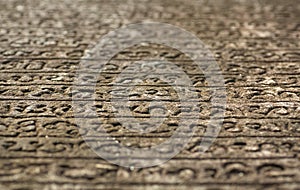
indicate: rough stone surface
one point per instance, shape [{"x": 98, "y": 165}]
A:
[{"x": 256, "y": 44}]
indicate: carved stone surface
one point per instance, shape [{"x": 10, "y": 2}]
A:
[{"x": 255, "y": 43}]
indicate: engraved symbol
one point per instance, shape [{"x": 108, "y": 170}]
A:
[{"x": 94, "y": 63}]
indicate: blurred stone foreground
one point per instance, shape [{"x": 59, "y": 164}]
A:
[{"x": 256, "y": 44}]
